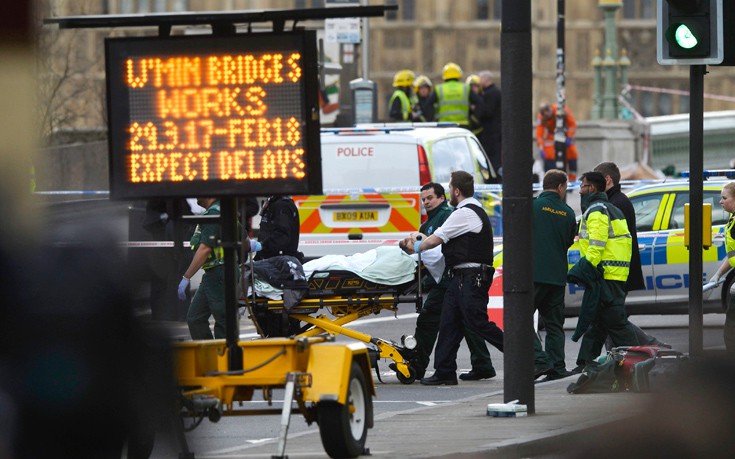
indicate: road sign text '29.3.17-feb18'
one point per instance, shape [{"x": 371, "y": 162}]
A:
[{"x": 213, "y": 115}]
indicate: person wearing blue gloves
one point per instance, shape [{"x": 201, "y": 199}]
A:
[
  {"x": 466, "y": 238},
  {"x": 209, "y": 299}
]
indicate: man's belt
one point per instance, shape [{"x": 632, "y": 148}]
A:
[{"x": 470, "y": 271}]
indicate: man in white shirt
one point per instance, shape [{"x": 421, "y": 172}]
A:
[{"x": 467, "y": 244}]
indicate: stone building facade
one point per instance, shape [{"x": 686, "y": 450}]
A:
[{"x": 422, "y": 35}]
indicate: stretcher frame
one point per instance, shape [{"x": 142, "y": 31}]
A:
[{"x": 348, "y": 297}]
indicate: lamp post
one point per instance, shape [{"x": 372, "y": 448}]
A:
[
  {"x": 597, "y": 88},
  {"x": 609, "y": 99},
  {"x": 624, "y": 64}
]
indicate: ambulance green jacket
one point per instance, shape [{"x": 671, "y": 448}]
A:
[{"x": 554, "y": 228}]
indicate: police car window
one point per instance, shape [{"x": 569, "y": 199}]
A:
[
  {"x": 711, "y": 197},
  {"x": 448, "y": 155},
  {"x": 645, "y": 208}
]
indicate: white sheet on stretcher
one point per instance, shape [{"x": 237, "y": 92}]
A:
[{"x": 387, "y": 265}]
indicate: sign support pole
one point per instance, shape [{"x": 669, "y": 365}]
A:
[{"x": 696, "y": 194}]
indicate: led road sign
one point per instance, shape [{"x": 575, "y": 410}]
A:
[{"x": 213, "y": 116}]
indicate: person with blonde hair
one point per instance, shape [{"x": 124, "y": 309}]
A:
[{"x": 727, "y": 201}]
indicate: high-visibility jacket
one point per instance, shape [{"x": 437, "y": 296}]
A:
[
  {"x": 405, "y": 103},
  {"x": 545, "y": 133},
  {"x": 604, "y": 238},
  {"x": 453, "y": 102},
  {"x": 730, "y": 241}
]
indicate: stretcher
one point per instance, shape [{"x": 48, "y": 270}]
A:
[{"x": 346, "y": 297}]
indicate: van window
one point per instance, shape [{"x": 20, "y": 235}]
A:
[{"x": 448, "y": 155}]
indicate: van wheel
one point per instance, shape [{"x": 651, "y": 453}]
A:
[{"x": 343, "y": 428}]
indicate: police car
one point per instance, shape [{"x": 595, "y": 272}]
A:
[
  {"x": 371, "y": 178},
  {"x": 659, "y": 210}
]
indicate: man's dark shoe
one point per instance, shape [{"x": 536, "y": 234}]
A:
[
  {"x": 477, "y": 375},
  {"x": 553, "y": 375},
  {"x": 577, "y": 370},
  {"x": 539, "y": 371},
  {"x": 435, "y": 380}
]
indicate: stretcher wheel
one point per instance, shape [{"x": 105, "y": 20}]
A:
[
  {"x": 343, "y": 428},
  {"x": 411, "y": 376}
]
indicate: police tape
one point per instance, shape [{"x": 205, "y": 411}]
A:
[
  {"x": 679, "y": 92},
  {"x": 149, "y": 244}
]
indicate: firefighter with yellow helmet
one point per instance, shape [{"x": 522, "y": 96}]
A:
[
  {"x": 473, "y": 82},
  {"x": 453, "y": 99},
  {"x": 423, "y": 108},
  {"x": 399, "y": 105}
]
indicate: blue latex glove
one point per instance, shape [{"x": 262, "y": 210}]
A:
[
  {"x": 182, "y": 288},
  {"x": 417, "y": 246},
  {"x": 541, "y": 153},
  {"x": 255, "y": 246},
  {"x": 569, "y": 141}
]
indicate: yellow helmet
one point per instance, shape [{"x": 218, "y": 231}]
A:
[
  {"x": 473, "y": 79},
  {"x": 421, "y": 80},
  {"x": 403, "y": 78},
  {"x": 451, "y": 71}
]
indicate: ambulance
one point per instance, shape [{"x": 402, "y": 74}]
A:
[{"x": 372, "y": 176}]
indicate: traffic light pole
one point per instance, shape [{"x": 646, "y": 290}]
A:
[
  {"x": 560, "y": 131},
  {"x": 516, "y": 72},
  {"x": 696, "y": 194}
]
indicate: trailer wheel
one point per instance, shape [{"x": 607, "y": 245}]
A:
[
  {"x": 411, "y": 376},
  {"x": 343, "y": 428}
]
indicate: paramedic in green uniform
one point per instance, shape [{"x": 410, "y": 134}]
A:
[
  {"x": 554, "y": 228},
  {"x": 427, "y": 324},
  {"x": 727, "y": 201},
  {"x": 210, "y": 297}
]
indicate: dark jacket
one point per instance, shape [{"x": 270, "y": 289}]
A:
[
  {"x": 622, "y": 202},
  {"x": 437, "y": 217},
  {"x": 490, "y": 121},
  {"x": 554, "y": 228},
  {"x": 279, "y": 229}
]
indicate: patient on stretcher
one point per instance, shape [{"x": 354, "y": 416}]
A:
[{"x": 387, "y": 265}]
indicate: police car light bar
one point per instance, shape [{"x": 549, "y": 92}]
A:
[{"x": 728, "y": 173}]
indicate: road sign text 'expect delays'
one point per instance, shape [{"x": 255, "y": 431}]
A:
[{"x": 213, "y": 116}]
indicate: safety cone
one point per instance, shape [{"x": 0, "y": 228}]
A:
[{"x": 495, "y": 300}]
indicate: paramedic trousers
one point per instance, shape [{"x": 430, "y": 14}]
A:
[
  {"x": 464, "y": 303},
  {"x": 549, "y": 301},
  {"x": 427, "y": 328},
  {"x": 611, "y": 320},
  {"x": 208, "y": 300}
]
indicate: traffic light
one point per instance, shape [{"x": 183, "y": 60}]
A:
[{"x": 695, "y": 32}]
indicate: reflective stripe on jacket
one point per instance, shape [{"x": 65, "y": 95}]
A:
[
  {"x": 405, "y": 103},
  {"x": 730, "y": 241},
  {"x": 453, "y": 102},
  {"x": 604, "y": 240}
]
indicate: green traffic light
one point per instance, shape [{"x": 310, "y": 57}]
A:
[{"x": 685, "y": 37}]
